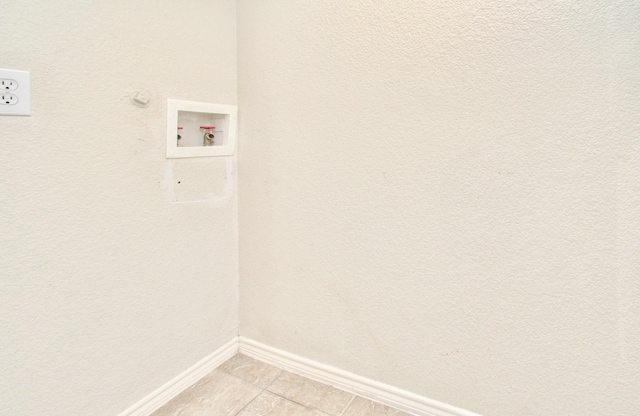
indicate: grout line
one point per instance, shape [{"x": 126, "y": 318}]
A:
[
  {"x": 282, "y": 371},
  {"x": 250, "y": 401},
  {"x": 274, "y": 380},
  {"x": 313, "y": 409},
  {"x": 243, "y": 382},
  {"x": 289, "y": 399},
  {"x": 262, "y": 389},
  {"x": 347, "y": 406}
]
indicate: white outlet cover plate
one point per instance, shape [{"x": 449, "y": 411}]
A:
[
  {"x": 175, "y": 106},
  {"x": 22, "y": 92}
]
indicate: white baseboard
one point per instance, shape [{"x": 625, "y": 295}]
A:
[
  {"x": 373, "y": 390},
  {"x": 182, "y": 381}
]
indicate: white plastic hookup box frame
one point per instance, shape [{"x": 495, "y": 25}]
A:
[{"x": 229, "y": 113}]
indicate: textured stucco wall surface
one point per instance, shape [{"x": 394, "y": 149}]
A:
[
  {"x": 114, "y": 278},
  {"x": 443, "y": 196}
]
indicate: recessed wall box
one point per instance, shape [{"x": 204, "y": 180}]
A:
[{"x": 205, "y": 129}]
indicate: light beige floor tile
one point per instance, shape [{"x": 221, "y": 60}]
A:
[
  {"x": 218, "y": 394},
  {"x": 269, "y": 404},
  {"x": 310, "y": 393},
  {"x": 250, "y": 370},
  {"x": 361, "y": 407}
]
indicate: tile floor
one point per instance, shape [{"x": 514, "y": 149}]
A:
[{"x": 243, "y": 386}]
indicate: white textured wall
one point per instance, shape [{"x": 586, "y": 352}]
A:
[
  {"x": 444, "y": 196},
  {"x": 109, "y": 286}
]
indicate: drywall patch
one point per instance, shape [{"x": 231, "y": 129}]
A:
[{"x": 199, "y": 180}]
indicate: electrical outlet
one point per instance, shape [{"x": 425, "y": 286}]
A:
[
  {"x": 8, "y": 84},
  {"x": 15, "y": 93},
  {"x": 9, "y": 99}
]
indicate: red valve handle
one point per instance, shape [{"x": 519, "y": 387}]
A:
[{"x": 207, "y": 127}]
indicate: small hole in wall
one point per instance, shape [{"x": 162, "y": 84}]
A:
[{"x": 179, "y": 182}]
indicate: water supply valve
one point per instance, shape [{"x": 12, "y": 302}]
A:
[
  {"x": 179, "y": 136},
  {"x": 208, "y": 137}
]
